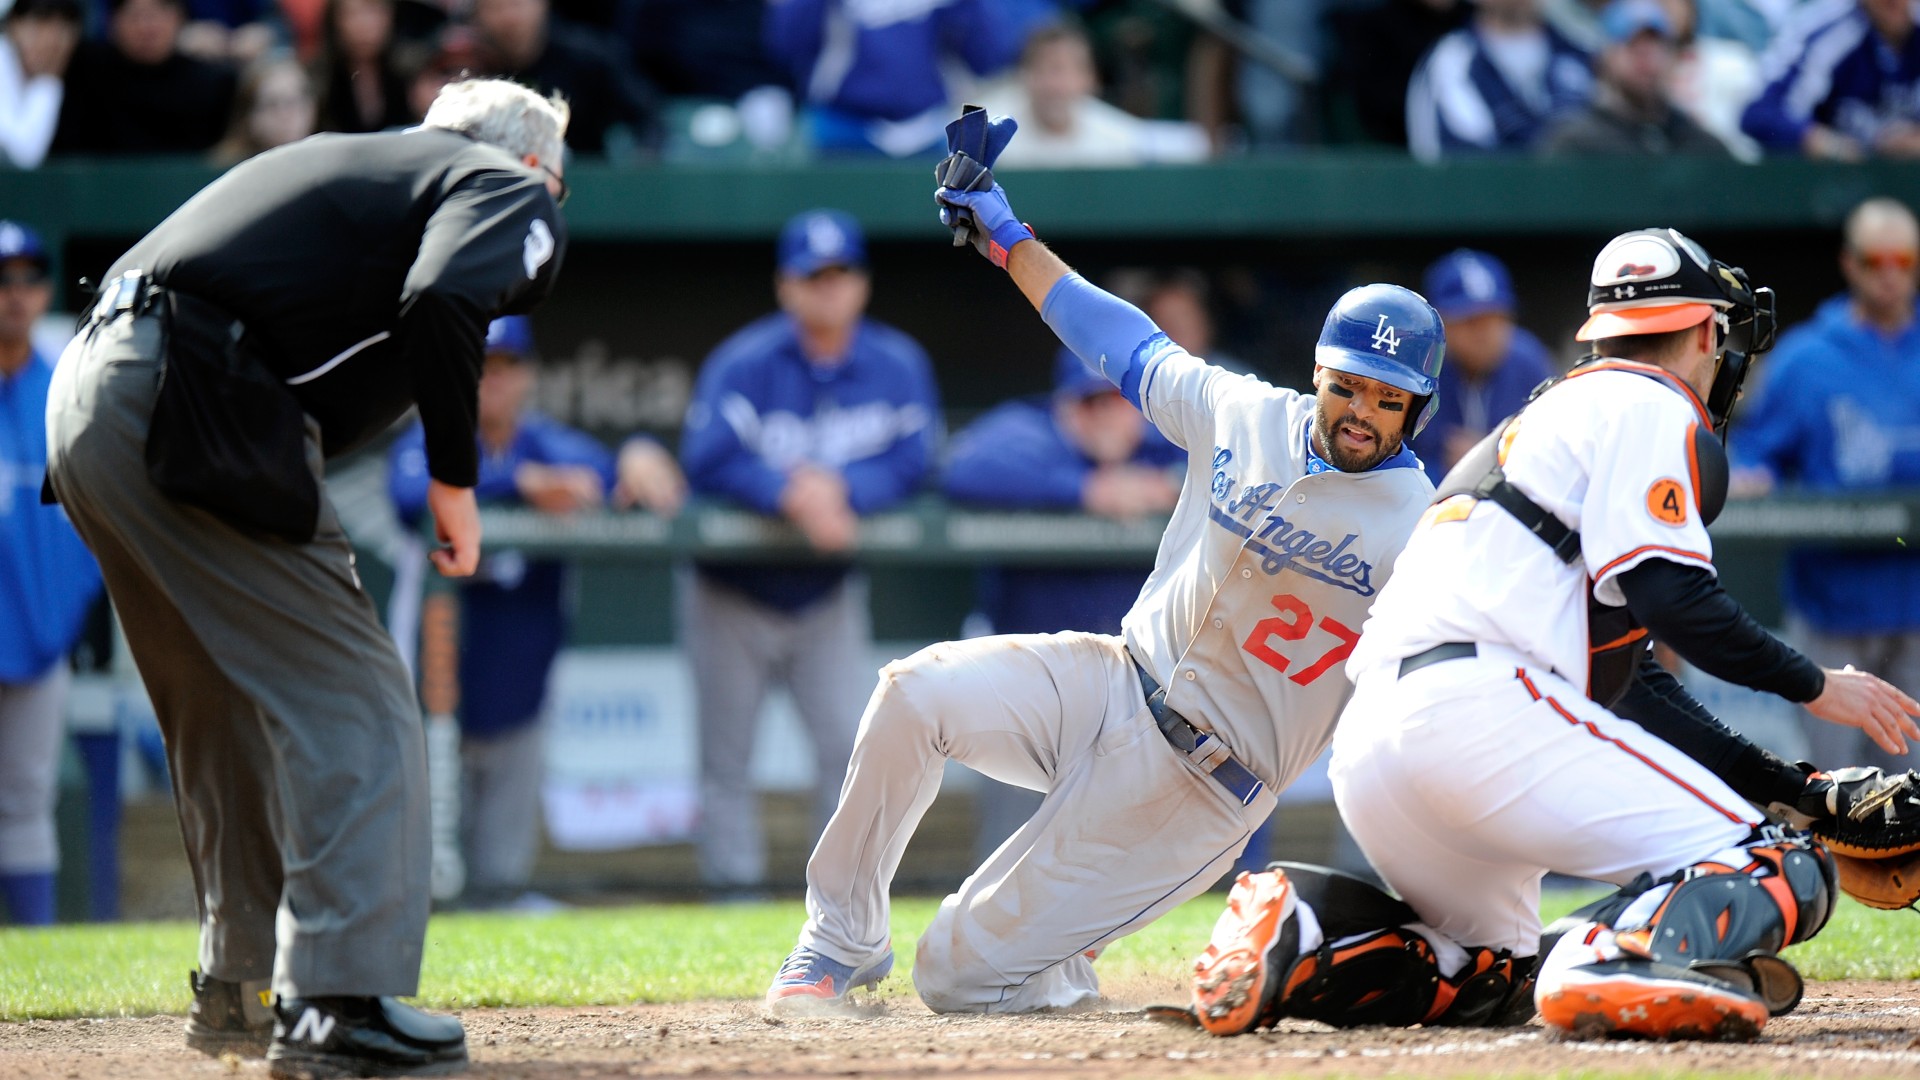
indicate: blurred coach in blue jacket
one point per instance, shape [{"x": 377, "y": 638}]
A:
[
  {"x": 821, "y": 416},
  {"x": 1088, "y": 449}
]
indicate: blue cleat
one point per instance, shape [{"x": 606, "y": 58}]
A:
[{"x": 812, "y": 982}]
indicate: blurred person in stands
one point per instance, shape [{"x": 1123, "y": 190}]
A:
[
  {"x": 274, "y": 106},
  {"x": 232, "y": 31},
  {"x": 822, "y": 416},
  {"x": 429, "y": 66},
  {"x": 1083, "y": 448},
  {"x": 34, "y": 53},
  {"x": 524, "y": 42},
  {"x": 48, "y": 582},
  {"x": 1713, "y": 78},
  {"x": 1376, "y": 48},
  {"x": 1180, "y": 303},
  {"x": 1843, "y": 82},
  {"x": 136, "y": 93},
  {"x": 870, "y": 74},
  {"x": 1838, "y": 412},
  {"x": 1632, "y": 112},
  {"x": 1495, "y": 84},
  {"x": 1492, "y": 364},
  {"x": 1063, "y": 122},
  {"x": 361, "y": 86},
  {"x": 514, "y": 611},
  {"x": 699, "y": 48}
]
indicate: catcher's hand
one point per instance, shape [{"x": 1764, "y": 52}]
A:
[{"x": 1871, "y": 823}]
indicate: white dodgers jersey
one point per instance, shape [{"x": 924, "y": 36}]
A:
[
  {"x": 1609, "y": 452},
  {"x": 1265, "y": 574}
]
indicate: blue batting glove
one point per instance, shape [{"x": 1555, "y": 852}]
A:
[{"x": 995, "y": 228}]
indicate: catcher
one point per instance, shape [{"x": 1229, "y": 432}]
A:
[{"x": 1513, "y": 645}]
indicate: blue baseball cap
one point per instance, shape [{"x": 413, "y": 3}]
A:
[
  {"x": 1464, "y": 283},
  {"x": 19, "y": 242},
  {"x": 817, "y": 239},
  {"x": 1073, "y": 378},
  {"x": 1623, "y": 20},
  {"x": 510, "y": 335}
]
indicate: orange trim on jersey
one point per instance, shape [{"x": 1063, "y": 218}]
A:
[
  {"x": 1644, "y": 548},
  {"x": 1693, "y": 464},
  {"x": 1653, "y": 370},
  {"x": 1589, "y": 728}
]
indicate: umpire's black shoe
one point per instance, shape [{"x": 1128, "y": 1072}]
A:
[
  {"x": 319, "y": 1038},
  {"x": 229, "y": 1017}
]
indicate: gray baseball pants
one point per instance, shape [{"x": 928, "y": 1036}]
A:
[
  {"x": 32, "y": 723},
  {"x": 500, "y": 809},
  {"x": 739, "y": 649},
  {"x": 294, "y": 740}
]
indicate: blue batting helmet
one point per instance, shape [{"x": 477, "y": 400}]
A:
[{"x": 1387, "y": 333}]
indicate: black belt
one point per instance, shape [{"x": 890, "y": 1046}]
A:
[
  {"x": 1446, "y": 650},
  {"x": 1186, "y": 738}
]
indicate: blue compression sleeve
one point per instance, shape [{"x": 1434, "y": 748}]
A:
[{"x": 1103, "y": 330}]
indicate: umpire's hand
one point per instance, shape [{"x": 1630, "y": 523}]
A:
[{"x": 456, "y": 521}]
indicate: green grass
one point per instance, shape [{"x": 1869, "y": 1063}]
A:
[{"x": 666, "y": 953}]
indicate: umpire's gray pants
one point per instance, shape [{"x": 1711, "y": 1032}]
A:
[
  {"x": 739, "y": 649},
  {"x": 33, "y": 719},
  {"x": 293, "y": 737},
  {"x": 1894, "y": 657}
]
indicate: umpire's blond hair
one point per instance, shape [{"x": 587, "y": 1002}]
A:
[{"x": 504, "y": 114}]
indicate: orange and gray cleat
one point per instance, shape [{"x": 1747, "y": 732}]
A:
[
  {"x": 1644, "y": 998},
  {"x": 1236, "y": 981}
]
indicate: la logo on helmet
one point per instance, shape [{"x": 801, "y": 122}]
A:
[{"x": 1385, "y": 338}]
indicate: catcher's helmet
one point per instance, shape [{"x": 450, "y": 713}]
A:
[
  {"x": 1391, "y": 334},
  {"x": 1653, "y": 281}
]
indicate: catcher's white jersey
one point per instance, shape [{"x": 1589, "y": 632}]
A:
[
  {"x": 1265, "y": 574},
  {"x": 1472, "y": 572}
]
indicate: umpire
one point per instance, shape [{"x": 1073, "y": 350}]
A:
[{"x": 288, "y": 313}]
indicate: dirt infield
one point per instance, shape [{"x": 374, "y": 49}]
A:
[{"x": 1843, "y": 1029}]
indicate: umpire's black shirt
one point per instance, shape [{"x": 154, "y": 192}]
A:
[{"x": 366, "y": 268}]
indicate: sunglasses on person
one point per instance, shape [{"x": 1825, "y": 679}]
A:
[
  {"x": 1887, "y": 260},
  {"x": 560, "y": 199}
]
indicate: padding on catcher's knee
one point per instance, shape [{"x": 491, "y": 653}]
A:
[{"x": 1729, "y": 918}]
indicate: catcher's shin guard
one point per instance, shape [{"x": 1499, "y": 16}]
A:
[
  {"x": 1313, "y": 943},
  {"x": 1694, "y": 955}
]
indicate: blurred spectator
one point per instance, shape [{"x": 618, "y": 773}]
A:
[
  {"x": 1086, "y": 449},
  {"x": 1839, "y": 411},
  {"x": 699, "y": 48},
  {"x": 1062, "y": 121},
  {"x": 34, "y": 54},
  {"x": 1376, "y": 48},
  {"x": 136, "y": 93},
  {"x": 430, "y": 66},
  {"x": 514, "y": 611},
  {"x": 1179, "y": 303},
  {"x": 234, "y": 31},
  {"x": 820, "y": 415},
  {"x": 1632, "y": 113},
  {"x": 1843, "y": 82},
  {"x": 526, "y": 44},
  {"x": 1276, "y": 110},
  {"x": 1492, "y": 364},
  {"x": 361, "y": 87},
  {"x": 47, "y": 584},
  {"x": 274, "y": 106},
  {"x": 1495, "y": 84},
  {"x": 870, "y": 74},
  {"x": 1713, "y": 79}
]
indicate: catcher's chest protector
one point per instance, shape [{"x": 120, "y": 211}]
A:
[{"x": 1615, "y": 640}]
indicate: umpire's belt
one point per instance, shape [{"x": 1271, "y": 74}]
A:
[{"x": 1219, "y": 763}]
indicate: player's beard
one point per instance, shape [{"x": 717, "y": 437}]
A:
[{"x": 1325, "y": 432}]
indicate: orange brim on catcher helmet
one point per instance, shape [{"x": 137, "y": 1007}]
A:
[{"x": 1655, "y": 319}]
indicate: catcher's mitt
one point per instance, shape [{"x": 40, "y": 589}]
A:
[{"x": 1874, "y": 835}]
